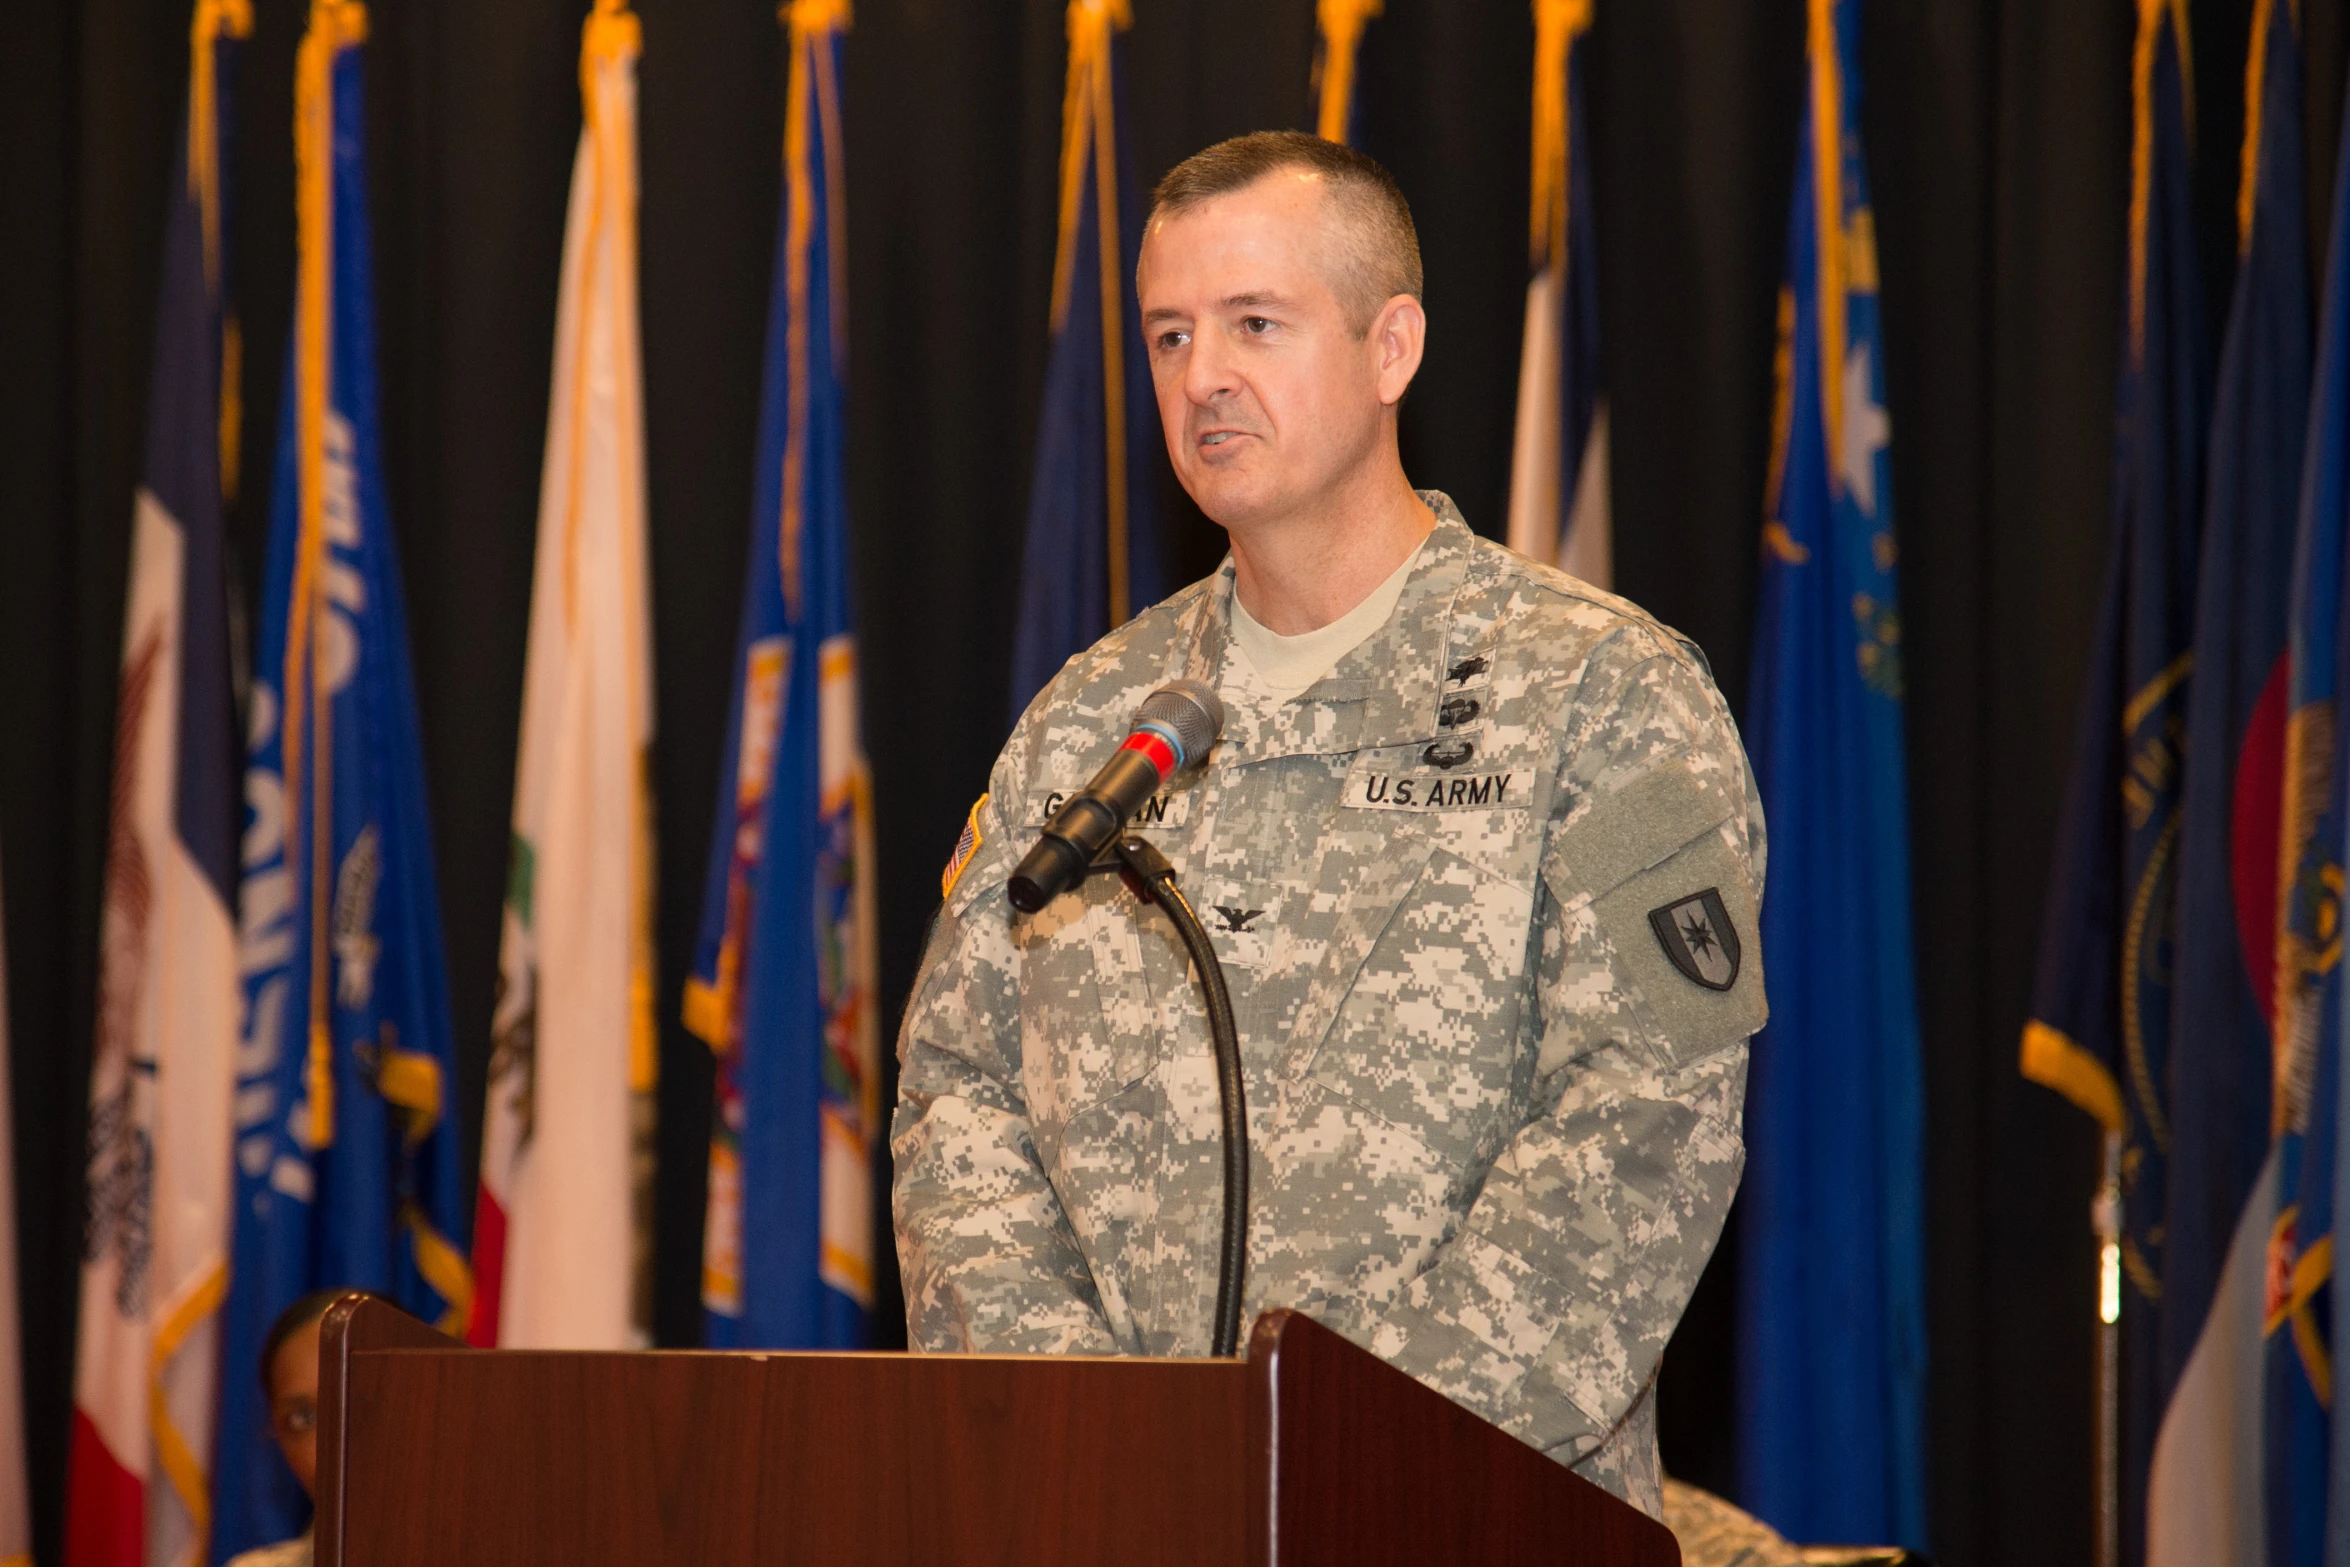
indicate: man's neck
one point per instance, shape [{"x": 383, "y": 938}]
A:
[{"x": 1301, "y": 572}]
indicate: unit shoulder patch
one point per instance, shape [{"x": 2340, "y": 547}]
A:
[
  {"x": 1699, "y": 939},
  {"x": 966, "y": 848}
]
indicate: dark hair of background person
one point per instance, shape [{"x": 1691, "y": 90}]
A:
[
  {"x": 1379, "y": 250},
  {"x": 293, "y": 1320},
  {"x": 1997, "y": 142}
]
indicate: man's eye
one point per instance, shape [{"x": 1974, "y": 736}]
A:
[
  {"x": 1255, "y": 326},
  {"x": 1171, "y": 340}
]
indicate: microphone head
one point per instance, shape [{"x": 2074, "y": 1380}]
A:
[{"x": 1187, "y": 714}]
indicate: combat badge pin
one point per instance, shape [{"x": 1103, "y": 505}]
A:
[{"x": 1697, "y": 935}]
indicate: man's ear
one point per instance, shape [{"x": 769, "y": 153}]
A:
[{"x": 1398, "y": 336}]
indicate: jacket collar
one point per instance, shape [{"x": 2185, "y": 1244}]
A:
[{"x": 1383, "y": 692}]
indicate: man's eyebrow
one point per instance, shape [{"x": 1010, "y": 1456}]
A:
[{"x": 1256, "y": 301}]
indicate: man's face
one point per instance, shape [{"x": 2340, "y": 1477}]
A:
[
  {"x": 293, "y": 1403},
  {"x": 1268, "y": 394}
]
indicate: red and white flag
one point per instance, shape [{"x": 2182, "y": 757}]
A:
[
  {"x": 16, "y": 1502},
  {"x": 155, "y": 1249},
  {"x": 562, "y": 1235}
]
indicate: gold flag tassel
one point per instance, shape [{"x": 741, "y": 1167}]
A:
[
  {"x": 2255, "y": 91},
  {"x": 611, "y": 34},
  {"x": 810, "y": 23},
  {"x": 1827, "y": 149},
  {"x": 2153, "y": 17},
  {"x": 1089, "y": 131},
  {"x": 712, "y": 1012},
  {"x": 1557, "y": 24},
  {"x": 610, "y": 43},
  {"x": 215, "y": 20},
  {"x": 1340, "y": 23},
  {"x": 334, "y": 25}
]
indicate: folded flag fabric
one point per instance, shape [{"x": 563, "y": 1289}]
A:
[
  {"x": 1092, "y": 556},
  {"x": 563, "y": 1226},
  {"x": 1558, "y": 465},
  {"x": 2296, "y": 1301},
  {"x": 16, "y": 1497},
  {"x": 346, "y": 1170},
  {"x": 782, "y": 984},
  {"x": 1831, "y": 1306},
  {"x": 2205, "y": 1481},
  {"x": 2100, "y": 1025},
  {"x": 156, "y": 1238}
]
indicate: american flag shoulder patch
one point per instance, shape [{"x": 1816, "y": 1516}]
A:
[{"x": 965, "y": 848}]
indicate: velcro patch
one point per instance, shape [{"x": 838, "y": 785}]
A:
[{"x": 966, "y": 847}]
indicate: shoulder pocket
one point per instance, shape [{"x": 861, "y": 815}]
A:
[{"x": 1653, "y": 886}]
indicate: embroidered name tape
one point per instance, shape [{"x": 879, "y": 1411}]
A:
[
  {"x": 1160, "y": 810},
  {"x": 1431, "y": 789}
]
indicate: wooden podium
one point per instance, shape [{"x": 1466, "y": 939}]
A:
[{"x": 1309, "y": 1452}]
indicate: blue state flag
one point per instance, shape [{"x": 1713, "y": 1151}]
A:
[
  {"x": 347, "y": 1170},
  {"x": 1831, "y": 1317},
  {"x": 2297, "y": 1295},
  {"x": 782, "y": 984},
  {"x": 2205, "y": 1485},
  {"x": 2100, "y": 1024},
  {"x": 1092, "y": 556}
]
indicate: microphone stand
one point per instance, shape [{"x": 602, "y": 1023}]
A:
[{"x": 1150, "y": 868}]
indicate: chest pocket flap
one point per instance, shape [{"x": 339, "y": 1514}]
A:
[{"x": 1090, "y": 1024}]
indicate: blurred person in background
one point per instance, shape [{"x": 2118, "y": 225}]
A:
[{"x": 289, "y": 1378}]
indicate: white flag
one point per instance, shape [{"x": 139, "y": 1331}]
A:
[
  {"x": 155, "y": 1246},
  {"x": 561, "y": 1238},
  {"x": 155, "y": 1254},
  {"x": 1558, "y": 461},
  {"x": 1576, "y": 535}
]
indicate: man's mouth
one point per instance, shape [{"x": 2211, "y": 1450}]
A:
[{"x": 1218, "y": 437}]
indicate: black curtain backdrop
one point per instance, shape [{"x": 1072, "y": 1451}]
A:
[{"x": 1998, "y": 134}]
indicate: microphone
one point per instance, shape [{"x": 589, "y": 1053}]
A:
[{"x": 1174, "y": 728}]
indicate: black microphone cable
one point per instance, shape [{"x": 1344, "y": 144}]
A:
[{"x": 1150, "y": 867}]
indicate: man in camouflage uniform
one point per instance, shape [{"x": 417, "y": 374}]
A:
[{"x": 1484, "y": 891}]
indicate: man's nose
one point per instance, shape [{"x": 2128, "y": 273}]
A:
[{"x": 1207, "y": 369}]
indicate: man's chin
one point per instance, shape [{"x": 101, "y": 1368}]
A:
[{"x": 1232, "y": 507}]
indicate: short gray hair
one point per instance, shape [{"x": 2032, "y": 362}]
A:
[{"x": 1378, "y": 248}]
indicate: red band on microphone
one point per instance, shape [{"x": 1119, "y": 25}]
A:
[{"x": 1160, "y": 753}]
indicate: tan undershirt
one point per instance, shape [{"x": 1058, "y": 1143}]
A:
[{"x": 1287, "y": 665}]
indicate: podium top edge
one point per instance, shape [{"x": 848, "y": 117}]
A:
[{"x": 889, "y": 1356}]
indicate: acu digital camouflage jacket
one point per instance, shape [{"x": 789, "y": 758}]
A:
[{"x": 1485, "y": 895}]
